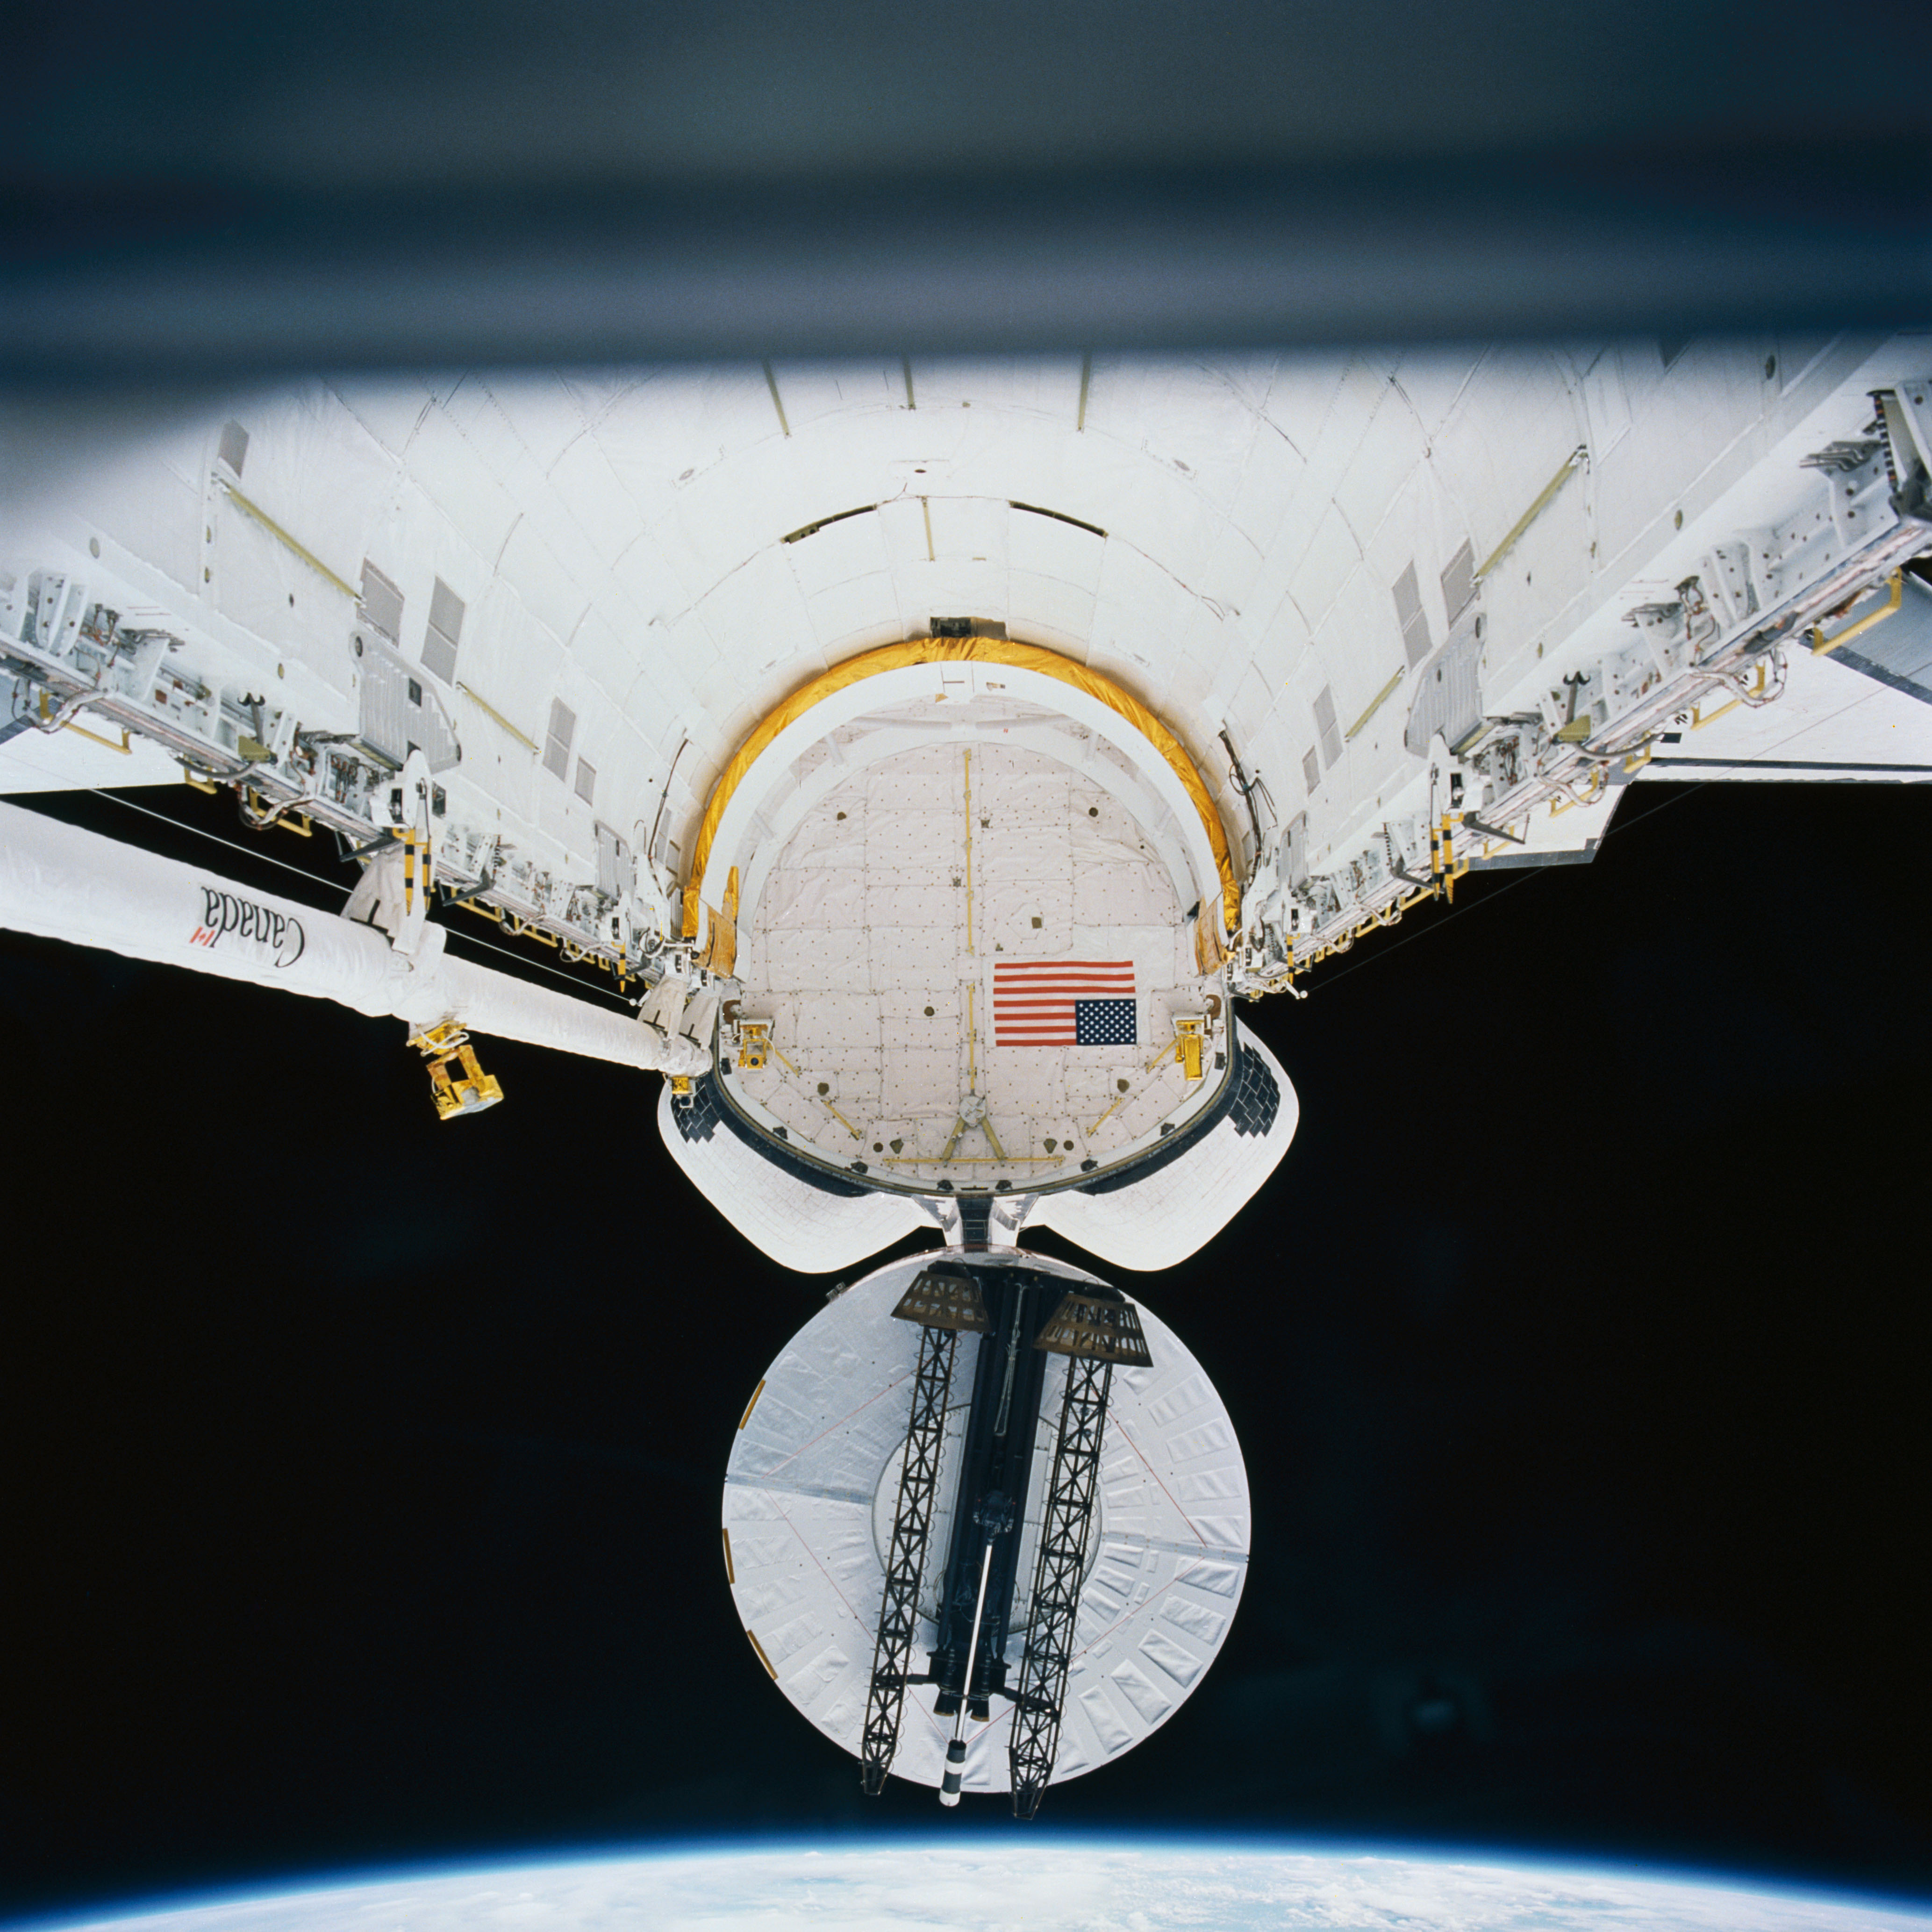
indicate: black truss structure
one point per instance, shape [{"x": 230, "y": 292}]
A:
[
  {"x": 942, "y": 1297},
  {"x": 1106, "y": 1330},
  {"x": 1063, "y": 1531},
  {"x": 912, "y": 1529}
]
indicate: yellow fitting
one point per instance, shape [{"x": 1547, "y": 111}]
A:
[
  {"x": 1821, "y": 646},
  {"x": 1557, "y": 810},
  {"x": 466, "y": 1090},
  {"x": 1700, "y": 718},
  {"x": 1190, "y": 1041},
  {"x": 755, "y": 1044},
  {"x": 126, "y": 750}
]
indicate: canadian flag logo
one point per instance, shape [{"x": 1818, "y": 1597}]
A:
[{"x": 225, "y": 913}]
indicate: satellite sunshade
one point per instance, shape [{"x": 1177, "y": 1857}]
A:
[{"x": 991, "y": 1543}]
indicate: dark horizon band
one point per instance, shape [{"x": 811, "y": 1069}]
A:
[{"x": 153, "y": 282}]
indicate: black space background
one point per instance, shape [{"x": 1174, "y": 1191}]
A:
[{"x": 362, "y": 1473}]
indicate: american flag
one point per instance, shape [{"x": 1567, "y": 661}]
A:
[{"x": 1063, "y": 1003}]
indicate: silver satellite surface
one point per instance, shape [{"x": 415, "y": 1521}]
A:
[{"x": 932, "y": 754}]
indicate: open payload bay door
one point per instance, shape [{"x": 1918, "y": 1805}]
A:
[
  {"x": 1157, "y": 1214},
  {"x": 804, "y": 1220}
]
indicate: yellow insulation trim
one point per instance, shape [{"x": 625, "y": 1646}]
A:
[
  {"x": 288, "y": 543},
  {"x": 1209, "y": 954},
  {"x": 720, "y": 950},
  {"x": 963, "y": 650}
]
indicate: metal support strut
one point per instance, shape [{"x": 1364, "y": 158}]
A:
[
  {"x": 912, "y": 1529},
  {"x": 1064, "y": 1532},
  {"x": 994, "y": 1516}
]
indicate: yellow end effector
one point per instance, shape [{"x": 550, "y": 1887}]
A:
[
  {"x": 458, "y": 1084},
  {"x": 755, "y": 1044},
  {"x": 1190, "y": 1043}
]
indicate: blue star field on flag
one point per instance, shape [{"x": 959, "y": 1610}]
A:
[{"x": 1104, "y": 1023}]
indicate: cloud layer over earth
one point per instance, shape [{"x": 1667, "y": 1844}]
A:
[{"x": 1045, "y": 1884}]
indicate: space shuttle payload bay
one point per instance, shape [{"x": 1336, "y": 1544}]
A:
[{"x": 852, "y": 716}]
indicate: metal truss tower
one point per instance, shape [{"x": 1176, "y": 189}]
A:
[
  {"x": 912, "y": 1529},
  {"x": 1063, "y": 1531}
]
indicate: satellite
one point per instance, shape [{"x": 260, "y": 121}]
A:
[{"x": 986, "y": 1523}]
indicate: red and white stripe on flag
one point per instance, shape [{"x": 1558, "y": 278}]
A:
[{"x": 1033, "y": 999}]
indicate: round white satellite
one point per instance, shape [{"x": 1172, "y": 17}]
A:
[{"x": 809, "y": 1495}]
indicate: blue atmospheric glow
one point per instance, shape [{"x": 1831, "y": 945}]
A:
[{"x": 977, "y": 1878}]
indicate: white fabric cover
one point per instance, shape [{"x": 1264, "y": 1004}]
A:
[
  {"x": 809, "y": 1493},
  {"x": 795, "y": 1223},
  {"x": 1159, "y": 1221}
]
